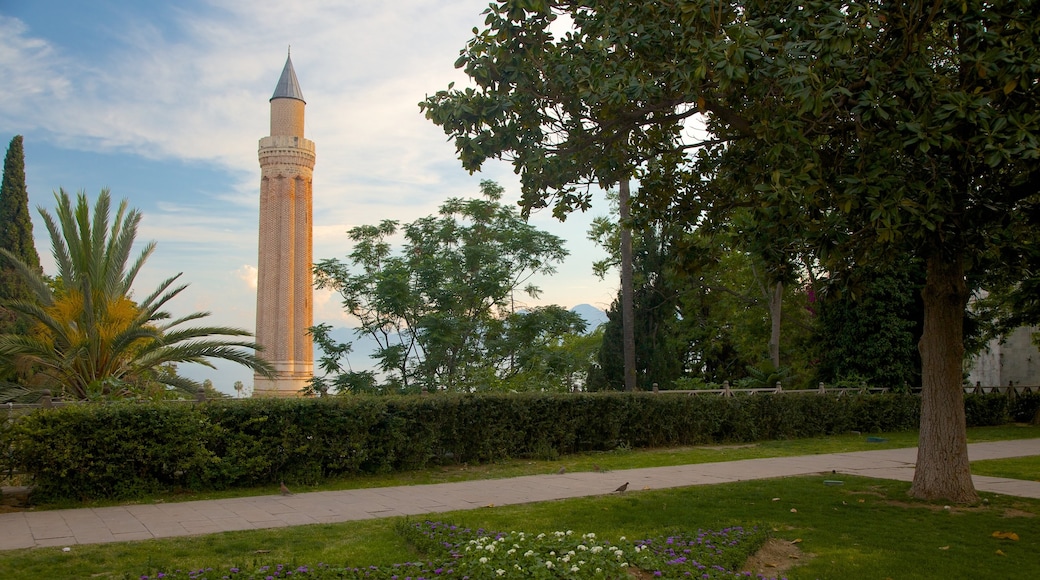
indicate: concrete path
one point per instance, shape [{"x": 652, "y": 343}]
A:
[{"x": 141, "y": 522}]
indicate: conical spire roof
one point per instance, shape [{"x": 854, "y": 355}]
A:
[{"x": 288, "y": 87}]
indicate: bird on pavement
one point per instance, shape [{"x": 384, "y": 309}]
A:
[
  {"x": 562, "y": 470},
  {"x": 285, "y": 490},
  {"x": 622, "y": 488}
]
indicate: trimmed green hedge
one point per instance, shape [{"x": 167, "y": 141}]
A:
[{"x": 127, "y": 449}]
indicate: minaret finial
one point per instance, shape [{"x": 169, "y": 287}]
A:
[{"x": 288, "y": 86}]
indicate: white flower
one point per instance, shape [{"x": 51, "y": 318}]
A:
[
  {"x": 575, "y": 568},
  {"x": 622, "y": 538},
  {"x": 589, "y": 535},
  {"x": 500, "y": 572},
  {"x": 529, "y": 553},
  {"x": 483, "y": 560},
  {"x": 540, "y": 536},
  {"x": 511, "y": 551},
  {"x": 548, "y": 564},
  {"x": 624, "y": 564},
  {"x": 596, "y": 549},
  {"x": 582, "y": 547}
]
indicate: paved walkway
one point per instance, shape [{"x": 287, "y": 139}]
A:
[{"x": 141, "y": 522}]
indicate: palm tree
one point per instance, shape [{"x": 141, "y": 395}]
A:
[{"x": 90, "y": 338}]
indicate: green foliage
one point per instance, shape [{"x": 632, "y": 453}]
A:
[
  {"x": 90, "y": 340},
  {"x": 869, "y": 328},
  {"x": 16, "y": 236},
  {"x": 127, "y": 449},
  {"x": 443, "y": 310},
  {"x": 1025, "y": 408}
]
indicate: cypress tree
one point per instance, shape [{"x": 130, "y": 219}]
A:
[{"x": 16, "y": 234}]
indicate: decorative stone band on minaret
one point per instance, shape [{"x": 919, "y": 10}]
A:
[{"x": 284, "y": 299}]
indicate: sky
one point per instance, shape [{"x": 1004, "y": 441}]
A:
[{"x": 164, "y": 104}]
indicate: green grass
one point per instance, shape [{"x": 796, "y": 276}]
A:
[
  {"x": 864, "y": 529},
  {"x": 612, "y": 460},
  {"x": 1027, "y": 468}
]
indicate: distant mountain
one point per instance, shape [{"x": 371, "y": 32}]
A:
[{"x": 593, "y": 316}]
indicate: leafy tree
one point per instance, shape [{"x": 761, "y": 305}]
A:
[
  {"x": 704, "y": 308},
  {"x": 90, "y": 339},
  {"x": 870, "y": 131},
  {"x": 16, "y": 236},
  {"x": 442, "y": 310},
  {"x": 657, "y": 350},
  {"x": 869, "y": 330}
]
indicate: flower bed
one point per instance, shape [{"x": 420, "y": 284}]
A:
[{"x": 455, "y": 552}]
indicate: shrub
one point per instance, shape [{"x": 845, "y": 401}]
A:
[{"x": 129, "y": 449}]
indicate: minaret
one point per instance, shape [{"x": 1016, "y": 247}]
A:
[{"x": 284, "y": 290}]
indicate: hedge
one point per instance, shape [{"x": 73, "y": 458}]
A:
[{"x": 125, "y": 450}]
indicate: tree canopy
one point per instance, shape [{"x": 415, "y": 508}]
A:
[
  {"x": 861, "y": 131},
  {"x": 443, "y": 310},
  {"x": 90, "y": 338},
  {"x": 16, "y": 234}
]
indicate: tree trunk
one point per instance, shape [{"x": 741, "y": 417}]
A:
[
  {"x": 775, "y": 302},
  {"x": 942, "y": 470},
  {"x": 628, "y": 337}
]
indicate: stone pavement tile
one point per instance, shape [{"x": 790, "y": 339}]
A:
[
  {"x": 47, "y": 542},
  {"x": 13, "y": 542},
  {"x": 13, "y": 524},
  {"x": 251, "y": 514},
  {"x": 119, "y": 521},
  {"x": 94, "y": 536},
  {"x": 142, "y": 510},
  {"x": 216, "y": 511},
  {"x": 166, "y": 529},
  {"x": 83, "y": 520},
  {"x": 182, "y": 512},
  {"x": 297, "y": 519},
  {"x": 48, "y": 532}
]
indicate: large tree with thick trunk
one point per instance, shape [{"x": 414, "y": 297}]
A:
[{"x": 872, "y": 130}]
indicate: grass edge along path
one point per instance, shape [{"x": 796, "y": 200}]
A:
[{"x": 863, "y": 528}]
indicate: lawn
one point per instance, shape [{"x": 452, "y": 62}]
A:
[{"x": 863, "y": 528}]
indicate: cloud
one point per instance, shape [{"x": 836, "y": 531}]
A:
[{"x": 247, "y": 274}]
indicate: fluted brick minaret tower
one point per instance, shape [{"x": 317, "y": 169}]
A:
[{"x": 284, "y": 294}]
